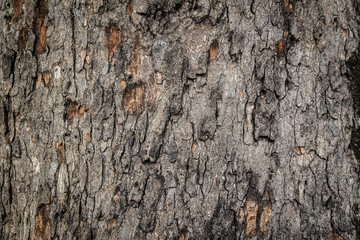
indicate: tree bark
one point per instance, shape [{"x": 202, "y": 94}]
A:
[{"x": 152, "y": 119}]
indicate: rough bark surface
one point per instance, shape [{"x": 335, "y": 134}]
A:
[{"x": 154, "y": 119}]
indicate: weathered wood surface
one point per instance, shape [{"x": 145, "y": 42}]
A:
[{"x": 208, "y": 119}]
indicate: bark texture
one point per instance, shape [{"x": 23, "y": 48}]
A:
[{"x": 154, "y": 119}]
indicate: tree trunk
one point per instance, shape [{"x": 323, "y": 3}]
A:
[{"x": 208, "y": 119}]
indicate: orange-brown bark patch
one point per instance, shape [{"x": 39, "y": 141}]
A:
[
  {"x": 251, "y": 210},
  {"x": 264, "y": 219},
  {"x": 42, "y": 223},
  {"x": 214, "y": 50},
  {"x": 38, "y": 81},
  {"x": 116, "y": 197},
  {"x": 123, "y": 85},
  {"x": 81, "y": 111},
  {"x": 288, "y": 6},
  {"x": 111, "y": 224},
  {"x": 40, "y": 28},
  {"x": 133, "y": 98},
  {"x": 23, "y": 38},
  {"x": 129, "y": 7},
  {"x": 280, "y": 48},
  {"x": 72, "y": 110},
  {"x": 46, "y": 77},
  {"x": 87, "y": 137},
  {"x": 60, "y": 150},
  {"x": 300, "y": 150},
  {"x": 113, "y": 39},
  {"x": 193, "y": 148},
  {"x": 335, "y": 236},
  {"x": 241, "y": 216},
  {"x": 17, "y": 6},
  {"x": 286, "y": 34}
]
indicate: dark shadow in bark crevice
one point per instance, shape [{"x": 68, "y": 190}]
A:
[{"x": 354, "y": 75}]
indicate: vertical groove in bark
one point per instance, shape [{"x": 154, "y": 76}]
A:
[{"x": 179, "y": 119}]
